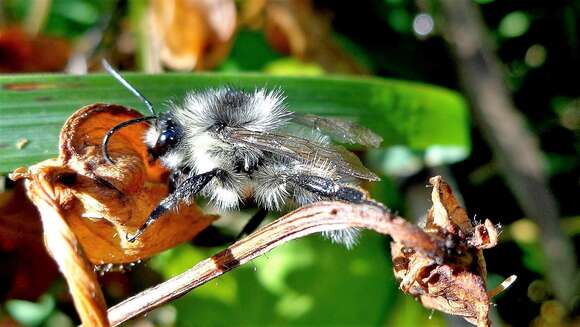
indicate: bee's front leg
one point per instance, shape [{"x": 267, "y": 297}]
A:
[{"x": 186, "y": 190}]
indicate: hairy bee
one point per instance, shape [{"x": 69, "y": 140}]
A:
[{"x": 229, "y": 145}]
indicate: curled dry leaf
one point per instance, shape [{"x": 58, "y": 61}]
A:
[
  {"x": 192, "y": 33},
  {"x": 454, "y": 282},
  {"x": 88, "y": 206},
  {"x": 102, "y": 203},
  {"x": 296, "y": 28},
  {"x": 64, "y": 248}
]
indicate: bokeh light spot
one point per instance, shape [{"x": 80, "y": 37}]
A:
[
  {"x": 524, "y": 230},
  {"x": 423, "y": 24},
  {"x": 514, "y": 24},
  {"x": 536, "y": 55},
  {"x": 538, "y": 291}
]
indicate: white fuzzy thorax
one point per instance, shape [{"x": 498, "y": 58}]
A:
[
  {"x": 267, "y": 175},
  {"x": 261, "y": 111}
]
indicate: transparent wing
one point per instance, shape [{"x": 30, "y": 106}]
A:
[
  {"x": 341, "y": 130},
  {"x": 344, "y": 161}
]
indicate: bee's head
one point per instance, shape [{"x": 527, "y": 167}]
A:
[{"x": 162, "y": 136}]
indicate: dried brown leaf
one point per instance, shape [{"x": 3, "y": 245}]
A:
[
  {"x": 64, "y": 248},
  {"x": 192, "y": 33},
  {"x": 284, "y": 32},
  {"x": 485, "y": 236},
  {"x": 446, "y": 212},
  {"x": 88, "y": 206},
  {"x": 455, "y": 282},
  {"x": 296, "y": 28},
  {"x": 102, "y": 202}
]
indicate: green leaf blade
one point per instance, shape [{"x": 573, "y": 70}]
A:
[{"x": 418, "y": 116}]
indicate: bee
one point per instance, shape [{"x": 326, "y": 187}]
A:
[{"x": 231, "y": 145}]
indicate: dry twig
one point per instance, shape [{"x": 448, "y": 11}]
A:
[{"x": 322, "y": 216}]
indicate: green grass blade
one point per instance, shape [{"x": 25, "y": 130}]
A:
[{"x": 417, "y": 116}]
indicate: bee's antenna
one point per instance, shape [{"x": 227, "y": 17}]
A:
[
  {"x": 105, "y": 144},
  {"x": 126, "y": 84}
]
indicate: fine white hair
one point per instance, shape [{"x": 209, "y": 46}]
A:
[
  {"x": 260, "y": 111},
  {"x": 245, "y": 169}
]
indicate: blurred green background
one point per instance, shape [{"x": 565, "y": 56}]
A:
[{"x": 311, "y": 281}]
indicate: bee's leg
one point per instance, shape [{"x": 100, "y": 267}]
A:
[
  {"x": 211, "y": 237},
  {"x": 176, "y": 177},
  {"x": 189, "y": 188},
  {"x": 328, "y": 188},
  {"x": 173, "y": 179},
  {"x": 253, "y": 223},
  {"x": 334, "y": 191}
]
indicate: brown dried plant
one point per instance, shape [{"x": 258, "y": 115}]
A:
[
  {"x": 198, "y": 34},
  {"x": 190, "y": 34},
  {"x": 88, "y": 206},
  {"x": 455, "y": 282}
]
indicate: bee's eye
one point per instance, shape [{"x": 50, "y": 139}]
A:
[{"x": 166, "y": 139}]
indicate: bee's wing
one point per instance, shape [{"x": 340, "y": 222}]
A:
[
  {"x": 341, "y": 130},
  {"x": 345, "y": 162}
]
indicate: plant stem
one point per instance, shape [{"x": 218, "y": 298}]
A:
[{"x": 322, "y": 216}]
